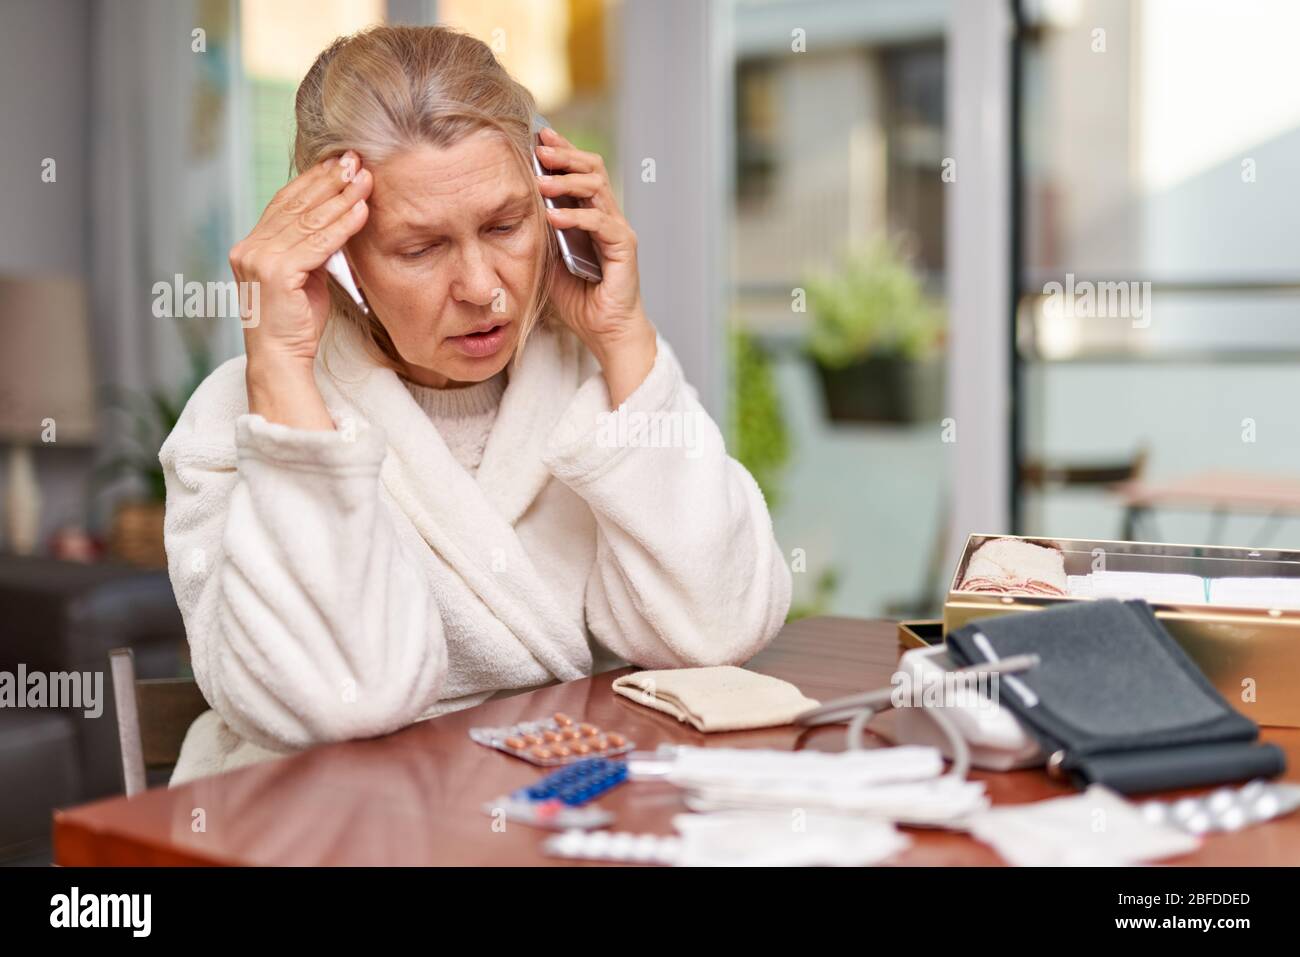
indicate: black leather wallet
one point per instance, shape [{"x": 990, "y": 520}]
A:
[{"x": 1115, "y": 700}]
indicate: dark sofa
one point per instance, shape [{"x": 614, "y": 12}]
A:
[{"x": 59, "y": 617}]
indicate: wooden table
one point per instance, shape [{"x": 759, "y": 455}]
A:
[
  {"x": 1219, "y": 492},
  {"x": 415, "y": 797}
]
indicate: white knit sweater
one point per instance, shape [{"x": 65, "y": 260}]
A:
[
  {"x": 344, "y": 584},
  {"x": 462, "y": 416}
]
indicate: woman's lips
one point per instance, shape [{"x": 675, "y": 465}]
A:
[{"x": 482, "y": 344}]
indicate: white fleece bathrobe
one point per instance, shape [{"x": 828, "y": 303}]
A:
[{"x": 344, "y": 584}]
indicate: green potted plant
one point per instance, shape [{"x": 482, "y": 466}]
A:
[
  {"x": 876, "y": 339},
  {"x": 759, "y": 438},
  {"x": 136, "y": 532}
]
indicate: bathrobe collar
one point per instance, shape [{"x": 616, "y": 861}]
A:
[{"x": 469, "y": 520}]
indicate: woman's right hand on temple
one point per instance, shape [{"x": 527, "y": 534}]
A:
[{"x": 308, "y": 221}]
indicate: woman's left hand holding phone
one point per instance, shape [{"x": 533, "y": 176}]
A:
[
  {"x": 607, "y": 316},
  {"x": 306, "y": 222}
]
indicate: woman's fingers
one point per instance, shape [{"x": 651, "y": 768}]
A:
[
  {"x": 307, "y": 221},
  {"x": 578, "y": 173},
  {"x": 568, "y": 158},
  {"x": 552, "y": 139},
  {"x": 322, "y": 181},
  {"x": 612, "y": 232},
  {"x": 288, "y": 266},
  {"x": 313, "y": 248},
  {"x": 316, "y": 218},
  {"x": 582, "y": 185}
]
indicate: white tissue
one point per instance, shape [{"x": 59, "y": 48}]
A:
[
  {"x": 902, "y": 784},
  {"x": 784, "y": 839},
  {"x": 1095, "y": 828}
]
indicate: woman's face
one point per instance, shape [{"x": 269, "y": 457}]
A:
[{"x": 449, "y": 252}]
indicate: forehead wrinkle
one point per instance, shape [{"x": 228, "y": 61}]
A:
[{"x": 419, "y": 191}]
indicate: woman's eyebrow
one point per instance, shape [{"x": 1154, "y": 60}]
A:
[{"x": 511, "y": 204}]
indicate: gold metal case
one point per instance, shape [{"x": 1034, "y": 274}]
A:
[{"x": 1252, "y": 655}]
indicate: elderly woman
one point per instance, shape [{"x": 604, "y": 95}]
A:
[{"x": 491, "y": 478}]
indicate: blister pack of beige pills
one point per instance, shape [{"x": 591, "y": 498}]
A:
[{"x": 553, "y": 741}]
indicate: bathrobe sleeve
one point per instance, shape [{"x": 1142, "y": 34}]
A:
[
  {"x": 306, "y": 621},
  {"x": 688, "y": 572}
]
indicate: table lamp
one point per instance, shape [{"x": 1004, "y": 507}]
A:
[{"x": 46, "y": 390}]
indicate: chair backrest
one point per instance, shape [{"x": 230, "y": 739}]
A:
[
  {"x": 1038, "y": 475},
  {"x": 153, "y": 715}
]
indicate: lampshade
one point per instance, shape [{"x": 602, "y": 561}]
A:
[{"x": 45, "y": 360}]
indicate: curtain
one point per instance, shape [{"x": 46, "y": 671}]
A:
[{"x": 166, "y": 144}]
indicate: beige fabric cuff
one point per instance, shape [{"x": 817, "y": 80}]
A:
[{"x": 723, "y": 698}]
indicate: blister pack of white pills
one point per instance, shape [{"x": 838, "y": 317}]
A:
[
  {"x": 614, "y": 846},
  {"x": 1226, "y": 809}
]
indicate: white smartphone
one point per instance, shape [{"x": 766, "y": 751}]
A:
[
  {"x": 576, "y": 246},
  {"x": 337, "y": 266}
]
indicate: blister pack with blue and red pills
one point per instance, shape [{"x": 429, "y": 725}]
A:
[
  {"x": 578, "y": 783},
  {"x": 560, "y": 800}
]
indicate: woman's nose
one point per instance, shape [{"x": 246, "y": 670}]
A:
[{"x": 476, "y": 280}]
